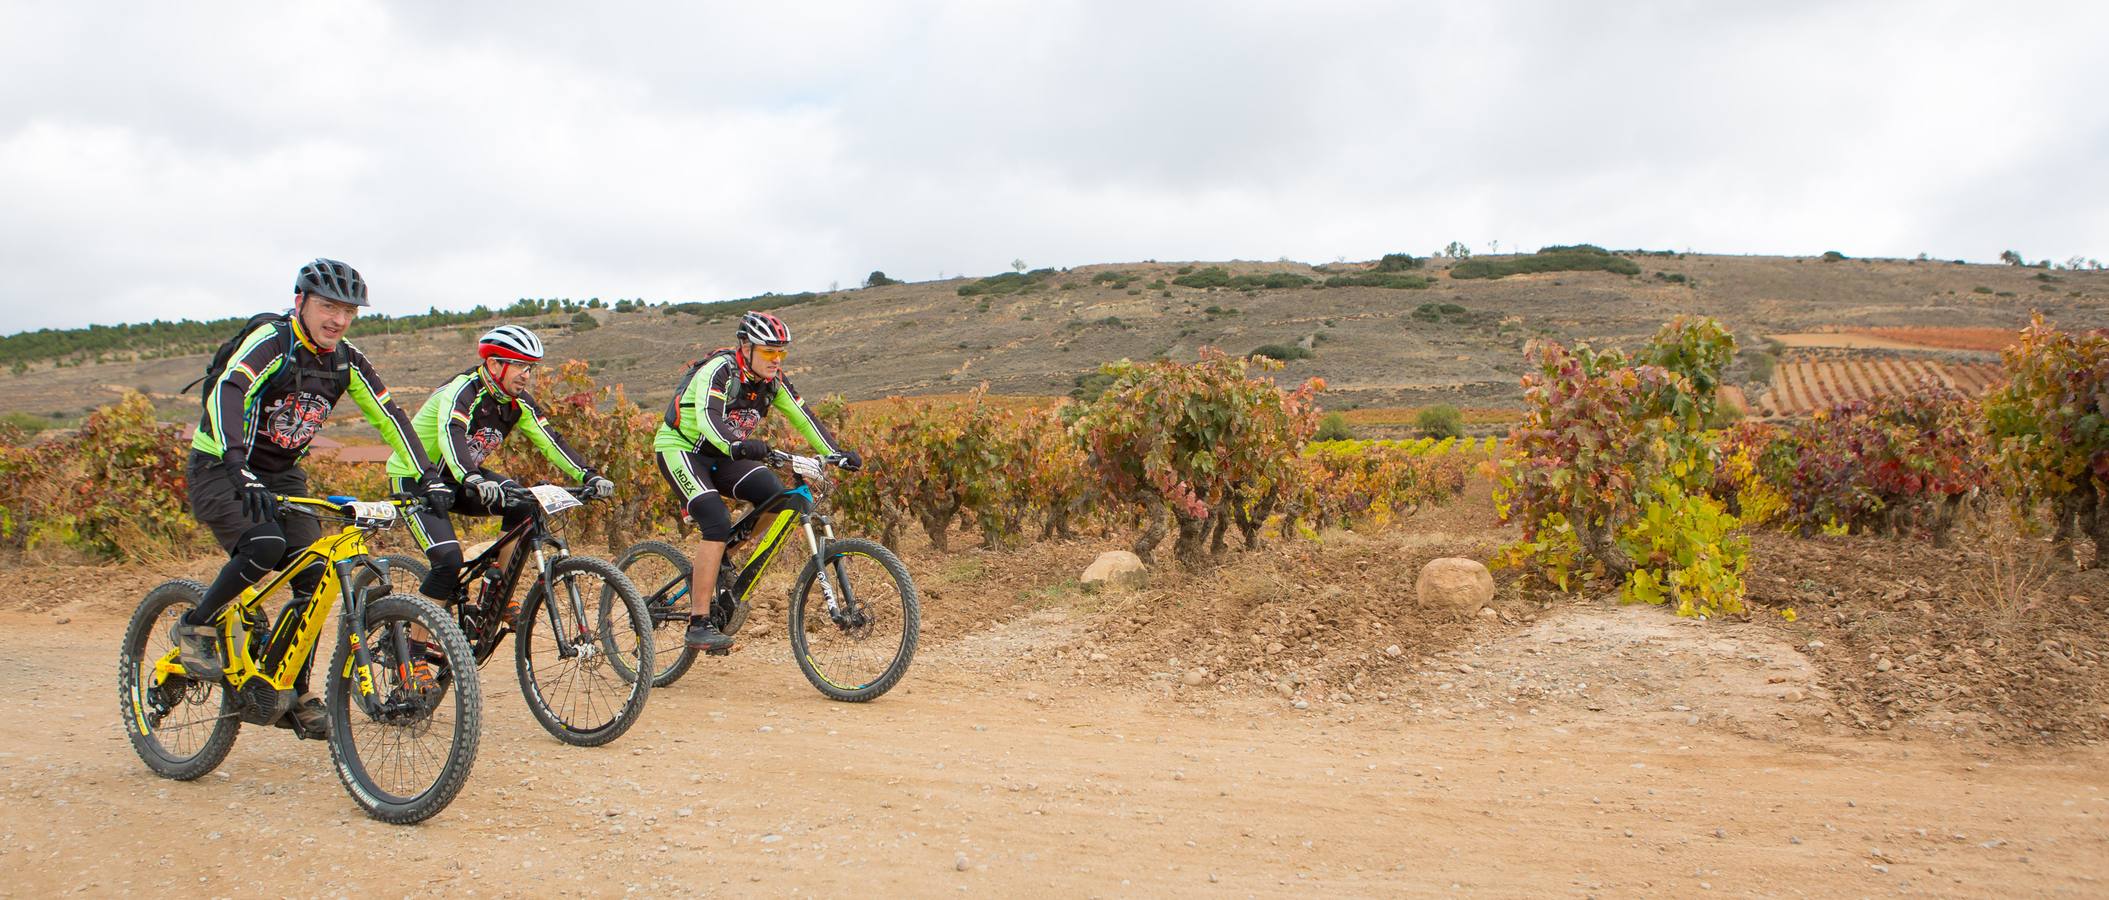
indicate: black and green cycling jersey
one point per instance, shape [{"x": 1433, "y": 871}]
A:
[
  {"x": 265, "y": 408},
  {"x": 714, "y": 405},
  {"x": 466, "y": 420}
]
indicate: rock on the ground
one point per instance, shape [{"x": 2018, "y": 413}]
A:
[
  {"x": 1118, "y": 568},
  {"x": 1455, "y": 586}
]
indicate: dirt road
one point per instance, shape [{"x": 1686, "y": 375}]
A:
[{"x": 980, "y": 777}]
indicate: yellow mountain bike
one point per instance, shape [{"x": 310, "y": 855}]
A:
[{"x": 402, "y": 694}]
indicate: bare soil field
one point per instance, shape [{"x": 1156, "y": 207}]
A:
[{"x": 1288, "y": 722}]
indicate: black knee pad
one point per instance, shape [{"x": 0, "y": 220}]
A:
[
  {"x": 445, "y": 556},
  {"x": 712, "y": 520},
  {"x": 259, "y": 550}
]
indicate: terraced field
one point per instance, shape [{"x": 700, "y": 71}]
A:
[{"x": 1803, "y": 383}]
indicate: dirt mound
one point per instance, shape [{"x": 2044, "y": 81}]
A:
[
  {"x": 1986, "y": 640},
  {"x": 1334, "y": 620}
]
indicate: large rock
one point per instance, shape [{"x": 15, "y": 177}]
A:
[
  {"x": 1117, "y": 568},
  {"x": 1454, "y": 586}
]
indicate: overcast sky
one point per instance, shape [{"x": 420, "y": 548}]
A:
[{"x": 183, "y": 159}]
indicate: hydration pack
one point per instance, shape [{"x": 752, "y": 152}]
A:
[{"x": 221, "y": 357}]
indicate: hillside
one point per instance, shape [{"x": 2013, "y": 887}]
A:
[{"x": 1374, "y": 346}]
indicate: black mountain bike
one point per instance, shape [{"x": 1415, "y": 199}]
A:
[
  {"x": 853, "y": 637},
  {"x": 582, "y": 628}
]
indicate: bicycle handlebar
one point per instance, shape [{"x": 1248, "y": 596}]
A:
[
  {"x": 339, "y": 506},
  {"x": 781, "y": 458}
]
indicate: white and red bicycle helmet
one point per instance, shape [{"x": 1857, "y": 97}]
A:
[
  {"x": 510, "y": 342},
  {"x": 764, "y": 330}
]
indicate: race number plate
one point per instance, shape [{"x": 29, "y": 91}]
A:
[
  {"x": 366, "y": 511},
  {"x": 553, "y": 499}
]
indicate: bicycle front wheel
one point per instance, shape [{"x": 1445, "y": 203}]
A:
[
  {"x": 854, "y": 635},
  {"x": 583, "y": 687},
  {"x": 660, "y": 573},
  {"x": 404, "y": 750},
  {"x": 181, "y": 728}
]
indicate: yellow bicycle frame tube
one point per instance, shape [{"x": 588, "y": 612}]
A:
[
  {"x": 765, "y": 551},
  {"x": 349, "y": 543}
]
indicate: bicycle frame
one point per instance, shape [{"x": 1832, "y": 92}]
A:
[
  {"x": 293, "y": 640},
  {"x": 534, "y": 531},
  {"x": 797, "y": 507}
]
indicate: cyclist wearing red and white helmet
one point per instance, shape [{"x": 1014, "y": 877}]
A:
[
  {"x": 461, "y": 425},
  {"x": 709, "y": 448}
]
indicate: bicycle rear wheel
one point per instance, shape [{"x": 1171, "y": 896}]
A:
[
  {"x": 856, "y": 644},
  {"x": 405, "y": 751},
  {"x": 182, "y": 728},
  {"x": 660, "y": 573},
  {"x": 588, "y": 694}
]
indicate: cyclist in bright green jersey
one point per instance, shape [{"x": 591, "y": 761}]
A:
[
  {"x": 460, "y": 426},
  {"x": 707, "y": 448}
]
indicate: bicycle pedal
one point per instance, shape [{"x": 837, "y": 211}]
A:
[{"x": 725, "y": 652}]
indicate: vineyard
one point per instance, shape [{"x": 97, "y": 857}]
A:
[
  {"x": 1613, "y": 472},
  {"x": 1803, "y": 383},
  {"x": 1191, "y": 451},
  {"x": 1614, "y": 477}
]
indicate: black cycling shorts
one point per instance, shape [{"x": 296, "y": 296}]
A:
[
  {"x": 214, "y": 503},
  {"x": 701, "y": 483}
]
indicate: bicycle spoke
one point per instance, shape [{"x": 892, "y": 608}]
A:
[
  {"x": 589, "y": 696},
  {"x": 405, "y": 741},
  {"x": 862, "y": 645}
]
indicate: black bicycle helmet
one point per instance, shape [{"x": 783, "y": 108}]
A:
[{"x": 333, "y": 280}]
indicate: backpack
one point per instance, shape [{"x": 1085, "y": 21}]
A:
[
  {"x": 673, "y": 407},
  {"x": 220, "y": 357}
]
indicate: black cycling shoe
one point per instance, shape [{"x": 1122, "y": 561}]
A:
[
  {"x": 308, "y": 719},
  {"x": 199, "y": 648},
  {"x": 703, "y": 634}
]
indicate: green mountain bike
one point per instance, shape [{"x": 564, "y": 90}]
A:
[{"x": 854, "y": 615}]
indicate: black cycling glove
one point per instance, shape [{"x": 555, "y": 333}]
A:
[
  {"x": 438, "y": 496},
  {"x": 257, "y": 502}
]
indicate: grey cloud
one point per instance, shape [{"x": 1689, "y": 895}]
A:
[{"x": 182, "y": 160}]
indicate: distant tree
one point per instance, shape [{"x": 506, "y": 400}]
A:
[
  {"x": 1333, "y": 427},
  {"x": 1440, "y": 421},
  {"x": 1018, "y": 265},
  {"x": 1457, "y": 250},
  {"x": 2011, "y": 258},
  {"x": 878, "y": 279}
]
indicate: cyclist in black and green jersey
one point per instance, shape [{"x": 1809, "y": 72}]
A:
[
  {"x": 460, "y": 426},
  {"x": 282, "y": 378},
  {"x": 707, "y": 448}
]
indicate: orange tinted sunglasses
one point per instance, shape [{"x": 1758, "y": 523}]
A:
[{"x": 772, "y": 354}]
